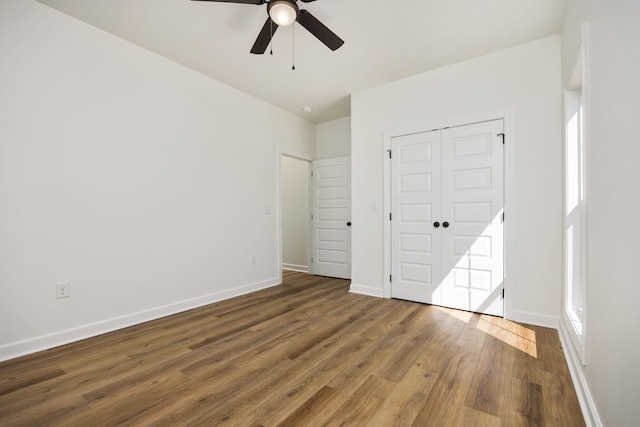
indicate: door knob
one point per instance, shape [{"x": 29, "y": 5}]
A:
[
  {"x": 349, "y": 224},
  {"x": 445, "y": 224},
  {"x": 436, "y": 224}
]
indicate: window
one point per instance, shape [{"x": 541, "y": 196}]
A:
[{"x": 574, "y": 206}]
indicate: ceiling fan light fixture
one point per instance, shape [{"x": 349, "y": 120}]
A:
[{"x": 283, "y": 12}]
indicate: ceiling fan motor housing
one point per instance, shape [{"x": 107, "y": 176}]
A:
[{"x": 282, "y": 9}]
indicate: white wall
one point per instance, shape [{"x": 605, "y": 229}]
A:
[
  {"x": 295, "y": 213},
  {"x": 142, "y": 183},
  {"x": 612, "y": 374},
  {"x": 333, "y": 139},
  {"x": 524, "y": 81}
]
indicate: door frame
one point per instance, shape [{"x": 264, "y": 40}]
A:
[
  {"x": 297, "y": 156},
  {"x": 508, "y": 174}
]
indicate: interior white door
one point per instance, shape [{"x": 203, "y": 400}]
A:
[
  {"x": 415, "y": 197},
  {"x": 331, "y": 245},
  {"x": 472, "y": 205},
  {"x": 446, "y": 229}
]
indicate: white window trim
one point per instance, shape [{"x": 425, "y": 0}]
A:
[{"x": 576, "y": 330}]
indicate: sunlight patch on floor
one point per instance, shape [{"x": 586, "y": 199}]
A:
[
  {"x": 465, "y": 316},
  {"x": 517, "y": 336}
]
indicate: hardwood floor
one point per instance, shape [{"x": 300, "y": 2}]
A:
[{"x": 305, "y": 353}]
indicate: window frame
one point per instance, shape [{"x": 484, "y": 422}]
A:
[{"x": 575, "y": 105}]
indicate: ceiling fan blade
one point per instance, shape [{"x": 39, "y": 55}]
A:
[
  {"x": 307, "y": 1},
  {"x": 257, "y": 2},
  {"x": 318, "y": 29},
  {"x": 264, "y": 38}
]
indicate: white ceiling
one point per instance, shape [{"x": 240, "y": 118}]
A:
[{"x": 385, "y": 40}]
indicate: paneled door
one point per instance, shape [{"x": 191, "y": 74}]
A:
[
  {"x": 472, "y": 204},
  {"x": 416, "y": 197},
  {"x": 447, "y": 217},
  {"x": 331, "y": 218}
]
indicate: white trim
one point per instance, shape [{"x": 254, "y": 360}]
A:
[
  {"x": 589, "y": 410},
  {"x": 575, "y": 75},
  {"x": 575, "y": 338},
  {"x": 294, "y": 267},
  {"x": 386, "y": 210},
  {"x": 536, "y": 319},
  {"x": 44, "y": 342},
  {"x": 577, "y": 80},
  {"x": 585, "y": 190},
  {"x": 509, "y": 191},
  {"x": 279, "y": 214},
  {"x": 366, "y": 290},
  {"x": 509, "y": 212}
]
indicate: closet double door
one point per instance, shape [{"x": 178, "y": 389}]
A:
[{"x": 447, "y": 217}]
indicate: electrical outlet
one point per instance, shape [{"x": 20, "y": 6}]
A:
[
  {"x": 63, "y": 290},
  {"x": 253, "y": 260}
]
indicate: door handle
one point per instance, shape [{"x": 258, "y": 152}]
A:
[
  {"x": 349, "y": 224},
  {"x": 445, "y": 224},
  {"x": 436, "y": 224}
]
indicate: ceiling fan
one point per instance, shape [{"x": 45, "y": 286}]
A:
[{"x": 283, "y": 13}]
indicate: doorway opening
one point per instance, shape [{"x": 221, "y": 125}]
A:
[{"x": 295, "y": 184}]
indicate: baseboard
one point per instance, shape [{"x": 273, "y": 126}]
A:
[
  {"x": 44, "y": 342},
  {"x": 294, "y": 267},
  {"x": 366, "y": 290},
  {"x": 589, "y": 411},
  {"x": 536, "y": 319}
]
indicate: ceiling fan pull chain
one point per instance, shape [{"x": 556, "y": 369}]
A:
[
  {"x": 271, "y": 39},
  {"x": 293, "y": 49}
]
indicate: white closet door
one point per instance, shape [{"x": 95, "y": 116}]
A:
[
  {"x": 331, "y": 245},
  {"x": 446, "y": 229},
  {"x": 415, "y": 198},
  {"x": 472, "y": 204}
]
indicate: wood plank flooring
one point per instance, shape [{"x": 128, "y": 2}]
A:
[{"x": 306, "y": 353}]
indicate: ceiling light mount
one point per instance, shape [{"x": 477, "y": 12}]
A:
[{"x": 283, "y": 12}]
